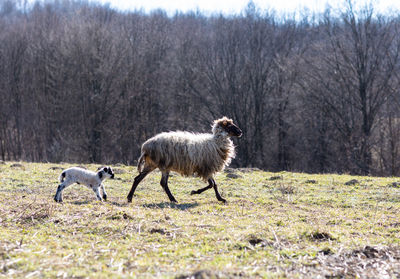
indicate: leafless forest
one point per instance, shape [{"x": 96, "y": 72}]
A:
[{"x": 86, "y": 83}]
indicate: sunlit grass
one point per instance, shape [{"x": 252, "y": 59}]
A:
[{"x": 293, "y": 225}]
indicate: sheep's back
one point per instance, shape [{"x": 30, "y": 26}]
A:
[
  {"x": 81, "y": 175},
  {"x": 186, "y": 153}
]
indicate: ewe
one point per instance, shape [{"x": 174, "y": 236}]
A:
[{"x": 188, "y": 154}]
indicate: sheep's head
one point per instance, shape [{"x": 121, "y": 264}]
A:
[
  {"x": 106, "y": 172},
  {"x": 226, "y": 125}
]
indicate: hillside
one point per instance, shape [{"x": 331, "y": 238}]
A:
[{"x": 274, "y": 225}]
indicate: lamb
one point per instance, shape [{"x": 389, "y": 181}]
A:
[
  {"x": 188, "y": 153},
  {"x": 81, "y": 176}
]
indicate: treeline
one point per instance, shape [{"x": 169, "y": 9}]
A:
[{"x": 85, "y": 83}]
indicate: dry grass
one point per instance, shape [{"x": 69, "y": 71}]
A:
[{"x": 274, "y": 228}]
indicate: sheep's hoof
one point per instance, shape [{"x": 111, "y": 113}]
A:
[
  {"x": 222, "y": 200},
  {"x": 105, "y": 197},
  {"x": 193, "y": 193},
  {"x": 56, "y": 200}
]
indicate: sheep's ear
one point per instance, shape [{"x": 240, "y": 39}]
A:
[{"x": 105, "y": 169}]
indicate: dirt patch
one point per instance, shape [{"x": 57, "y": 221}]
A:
[
  {"x": 233, "y": 175},
  {"x": 17, "y": 165},
  {"x": 157, "y": 230},
  {"x": 326, "y": 251},
  {"x": 352, "y": 182},
  {"x": 120, "y": 216},
  {"x": 257, "y": 241},
  {"x": 394, "y": 185},
  {"x": 56, "y": 168},
  {"x": 311, "y": 181},
  {"x": 276, "y": 177},
  {"x": 320, "y": 236},
  {"x": 366, "y": 262},
  {"x": 201, "y": 274},
  {"x": 367, "y": 251},
  {"x": 286, "y": 189}
]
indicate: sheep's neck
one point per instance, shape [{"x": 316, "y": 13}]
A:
[{"x": 222, "y": 140}]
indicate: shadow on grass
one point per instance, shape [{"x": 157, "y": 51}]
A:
[
  {"x": 120, "y": 203},
  {"x": 182, "y": 206},
  {"x": 80, "y": 202}
]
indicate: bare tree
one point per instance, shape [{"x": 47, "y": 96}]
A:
[{"x": 352, "y": 78}]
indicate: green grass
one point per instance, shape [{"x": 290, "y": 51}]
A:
[{"x": 294, "y": 225}]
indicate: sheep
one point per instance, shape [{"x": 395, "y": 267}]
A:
[
  {"x": 81, "y": 176},
  {"x": 188, "y": 154}
]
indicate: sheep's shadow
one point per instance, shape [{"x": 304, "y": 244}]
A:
[{"x": 180, "y": 206}]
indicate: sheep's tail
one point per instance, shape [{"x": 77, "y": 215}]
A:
[
  {"x": 61, "y": 177},
  {"x": 141, "y": 162}
]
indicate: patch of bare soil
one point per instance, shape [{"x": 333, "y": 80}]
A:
[
  {"x": 233, "y": 175},
  {"x": 17, "y": 165},
  {"x": 311, "y": 181},
  {"x": 366, "y": 262},
  {"x": 352, "y": 182},
  {"x": 201, "y": 274},
  {"x": 56, "y": 168}
]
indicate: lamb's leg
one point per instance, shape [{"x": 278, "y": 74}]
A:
[
  {"x": 137, "y": 180},
  {"x": 216, "y": 191},
  {"x": 164, "y": 184},
  {"x": 210, "y": 185},
  {"x": 104, "y": 192},
  {"x": 61, "y": 187},
  {"x": 96, "y": 190}
]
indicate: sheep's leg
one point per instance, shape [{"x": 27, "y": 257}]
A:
[
  {"x": 216, "y": 191},
  {"x": 61, "y": 187},
  {"x": 96, "y": 190},
  {"x": 210, "y": 185},
  {"x": 137, "y": 180},
  {"x": 104, "y": 192},
  {"x": 164, "y": 184}
]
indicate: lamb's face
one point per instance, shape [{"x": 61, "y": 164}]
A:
[
  {"x": 108, "y": 172},
  {"x": 229, "y": 127}
]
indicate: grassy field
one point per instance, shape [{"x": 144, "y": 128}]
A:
[{"x": 275, "y": 225}]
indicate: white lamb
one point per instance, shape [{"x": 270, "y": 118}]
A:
[{"x": 81, "y": 176}]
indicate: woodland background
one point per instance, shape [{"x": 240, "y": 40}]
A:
[{"x": 82, "y": 82}]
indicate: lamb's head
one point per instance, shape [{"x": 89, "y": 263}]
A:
[
  {"x": 225, "y": 126},
  {"x": 105, "y": 172}
]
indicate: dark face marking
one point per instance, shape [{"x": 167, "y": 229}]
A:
[
  {"x": 234, "y": 131},
  {"x": 110, "y": 172},
  {"x": 100, "y": 175},
  {"x": 231, "y": 129}
]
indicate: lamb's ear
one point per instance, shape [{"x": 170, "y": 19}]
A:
[
  {"x": 100, "y": 174},
  {"x": 105, "y": 169}
]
